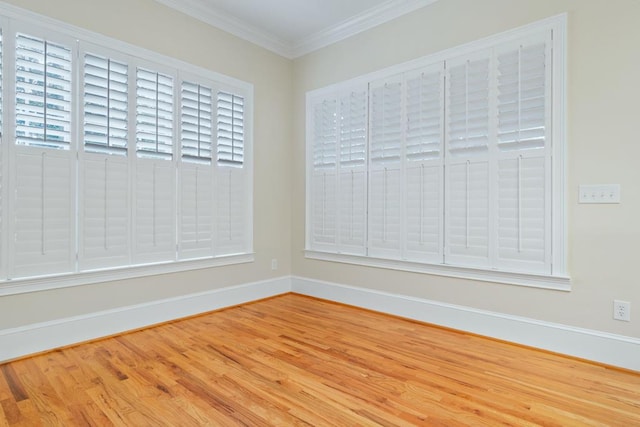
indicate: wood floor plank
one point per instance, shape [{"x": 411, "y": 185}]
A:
[{"x": 298, "y": 361}]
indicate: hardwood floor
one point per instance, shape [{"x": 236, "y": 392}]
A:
[{"x": 293, "y": 360}]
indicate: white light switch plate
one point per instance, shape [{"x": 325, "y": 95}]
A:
[{"x": 600, "y": 193}]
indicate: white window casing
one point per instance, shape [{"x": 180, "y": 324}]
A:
[
  {"x": 464, "y": 162},
  {"x": 114, "y": 164}
]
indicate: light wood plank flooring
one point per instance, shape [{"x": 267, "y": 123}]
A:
[{"x": 293, "y": 360}]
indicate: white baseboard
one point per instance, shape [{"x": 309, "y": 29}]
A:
[
  {"x": 35, "y": 338},
  {"x": 611, "y": 349}
]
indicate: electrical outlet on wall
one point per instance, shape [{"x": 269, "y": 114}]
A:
[{"x": 622, "y": 310}]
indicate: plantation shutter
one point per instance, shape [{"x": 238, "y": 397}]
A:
[
  {"x": 196, "y": 172},
  {"x": 155, "y": 236},
  {"x": 232, "y": 202},
  {"x": 230, "y": 129},
  {"x": 468, "y": 161},
  {"x": 155, "y": 211},
  {"x": 385, "y": 180},
  {"x": 104, "y": 232},
  {"x": 424, "y": 164},
  {"x": 324, "y": 137},
  {"x": 196, "y": 107},
  {"x": 44, "y": 175},
  {"x": 104, "y": 203},
  {"x": 523, "y": 223},
  {"x": 154, "y": 114},
  {"x": 352, "y": 188}
]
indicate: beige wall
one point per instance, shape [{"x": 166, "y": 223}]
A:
[
  {"x": 148, "y": 24},
  {"x": 603, "y": 147}
]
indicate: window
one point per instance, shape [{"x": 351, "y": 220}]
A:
[
  {"x": 448, "y": 167},
  {"x": 110, "y": 162}
]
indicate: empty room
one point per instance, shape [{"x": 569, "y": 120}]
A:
[{"x": 326, "y": 213}]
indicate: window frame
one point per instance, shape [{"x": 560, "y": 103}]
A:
[
  {"x": 558, "y": 279},
  {"x": 13, "y": 20}
]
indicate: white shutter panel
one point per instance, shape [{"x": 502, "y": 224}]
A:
[
  {"x": 232, "y": 214},
  {"x": 385, "y": 189},
  {"x": 155, "y": 230},
  {"x": 42, "y": 213},
  {"x": 43, "y": 93},
  {"x": 424, "y": 165},
  {"x": 323, "y": 200},
  {"x": 104, "y": 202},
  {"x": 230, "y": 129},
  {"x": 352, "y": 187},
  {"x": 104, "y": 227},
  {"x": 44, "y": 175},
  {"x": 196, "y": 126},
  {"x": 155, "y": 211},
  {"x": 467, "y": 237},
  {"x": 154, "y": 114},
  {"x": 105, "y": 105},
  {"x": 523, "y": 221},
  {"x": 196, "y": 209}
]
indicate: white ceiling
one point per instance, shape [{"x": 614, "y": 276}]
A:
[{"x": 295, "y": 27}]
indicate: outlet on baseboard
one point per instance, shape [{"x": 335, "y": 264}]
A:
[{"x": 622, "y": 310}]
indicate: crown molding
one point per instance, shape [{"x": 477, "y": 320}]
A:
[
  {"x": 370, "y": 18},
  {"x": 200, "y": 10},
  {"x": 356, "y": 24}
]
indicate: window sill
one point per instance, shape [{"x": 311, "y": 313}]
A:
[
  {"x": 36, "y": 284},
  {"x": 558, "y": 283}
]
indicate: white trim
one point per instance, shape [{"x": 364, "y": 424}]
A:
[
  {"x": 208, "y": 14},
  {"x": 38, "y": 337},
  {"x": 558, "y": 283},
  {"x": 602, "y": 347},
  {"x": 36, "y": 284},
  {"x": 291, "y": 49},
  {"x": 357, "y": 24}
]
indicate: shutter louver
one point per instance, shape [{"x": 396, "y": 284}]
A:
[
  {"x": 43, "y": 220},
  {"x": 324, "y": 179},
  {"x": 104, "y": 232},
  {"x": 522, "y": 98},
  {"x": 105, "y": 105},
  {"x": 231, "y": 212},
  {"x": 155, "y": 211},
  {"x": 196, "y": 124},
  {"x": 197, "y": 214},
  {"x": 230, "y": 129},
  {"x": 467, "y": 165},
  {"x": 104, "y": 188},
  {"x": 154, "y": 115},
  {"x": 352, "y": 172},
  {"x": 196, "y": 211},
  {"x": 521, "y": 216},
  {"x": 423, "y": 164},
  {"x": 43, "y": 93},
  {"x": 385, "y": 176},
  {"x": 523, "y": 225}
]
